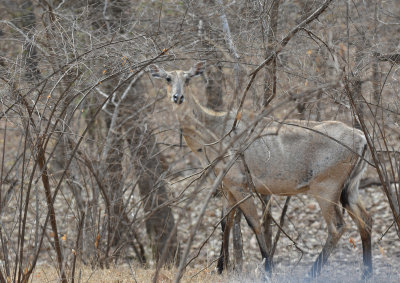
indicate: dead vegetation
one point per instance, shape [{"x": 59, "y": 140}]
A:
[{"x": 96, "y": 183}]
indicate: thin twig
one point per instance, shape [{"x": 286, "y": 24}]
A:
[
  {"x": 281, "y": 223},
  {"x": 75, "y": 252}
]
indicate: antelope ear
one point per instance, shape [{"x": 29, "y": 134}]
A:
[
  {"x": 157, "y": 72},
  {"x": 197, "y": 69}
]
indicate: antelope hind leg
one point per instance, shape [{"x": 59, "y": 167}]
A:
[
  {"x": 334, "y": 219},
  {"x": 364, "y": 224}
]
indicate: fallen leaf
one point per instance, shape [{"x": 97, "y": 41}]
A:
[
  {"x": 96, "y": 244},
  {"x": 381, "y": 251},
  {"x": 342, "y": 49},
  {"x": 311, "y": 206},
  {"x": 351, "y": 241}
]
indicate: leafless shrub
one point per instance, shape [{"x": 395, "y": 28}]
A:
[{"x": 91, "y": 154}]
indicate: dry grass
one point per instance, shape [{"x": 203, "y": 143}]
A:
[
  {"x": 47, "y": 274},
  {"x": 334, "y": 272}
]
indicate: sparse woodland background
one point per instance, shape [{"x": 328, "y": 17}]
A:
[{"x": 93, "y": 174}]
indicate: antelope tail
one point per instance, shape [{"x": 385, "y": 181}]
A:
[{"x": 350, "y": 187}]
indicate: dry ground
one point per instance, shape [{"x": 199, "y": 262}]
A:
[
  {"x": 303, "y": 225},
  {"x": 126, "y": 274}
]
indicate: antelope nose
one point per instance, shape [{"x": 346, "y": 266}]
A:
[{"x": 178, "y": 99}]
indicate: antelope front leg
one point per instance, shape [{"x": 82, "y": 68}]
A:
[
  {"x": 226, "y": 226},
  {"x": 249, "y": 211}
]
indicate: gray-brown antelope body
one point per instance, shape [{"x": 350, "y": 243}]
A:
[{"x": 323, "y": 159}]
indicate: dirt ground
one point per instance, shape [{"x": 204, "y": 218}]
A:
[
  {"x": 303, "y": 224},
  {"x": 308, "y": 230}
]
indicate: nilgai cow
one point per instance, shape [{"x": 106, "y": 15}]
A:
[{"x": 322, "y": 159}]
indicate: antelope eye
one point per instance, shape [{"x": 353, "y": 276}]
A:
[{"x": 168, "y": 79}]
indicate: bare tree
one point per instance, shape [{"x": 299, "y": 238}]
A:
[{"x": 90, "y": 175}]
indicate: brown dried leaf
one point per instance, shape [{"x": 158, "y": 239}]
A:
[
  {"x": 96, "y": 244},
  {"x": 381, "y": 251},
  {"x": 351, "y": 241}
]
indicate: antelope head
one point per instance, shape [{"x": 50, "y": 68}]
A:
[{"x": 177, "y": 80}]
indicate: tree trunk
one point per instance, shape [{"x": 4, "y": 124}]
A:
[
  {"x": 269, "y": 93},
  {"x": 270, "y": 74},
  {"x": 375, "y": 66},
  {"x": 113, "y": 176},
  {"x": 143, "y": 146}
]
